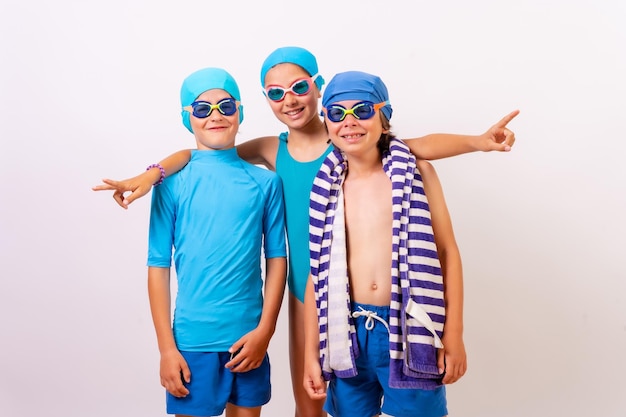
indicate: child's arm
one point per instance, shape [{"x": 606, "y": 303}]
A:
[
  {"x": 261, "y": 151},
  {"x": 313, "y": 382},
  {"x": 452, "y": 357},
  {"x": 142, "y": 183},
  {"x": 172, "y": 362},
  {"x": 252, "y": 346},
  {"x": 443, "y": 145}
]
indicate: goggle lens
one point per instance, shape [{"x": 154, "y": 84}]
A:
[
  {"x": 275, "y": 93},
  {"x": 301, "y": 87},
  {"x": 202, "y": 109}
]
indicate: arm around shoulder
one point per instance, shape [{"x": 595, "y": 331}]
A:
[{"x": 260, "y": 151}]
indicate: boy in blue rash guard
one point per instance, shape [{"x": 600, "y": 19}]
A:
[{"x": 218, "y": 214}]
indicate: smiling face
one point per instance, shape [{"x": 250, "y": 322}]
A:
[
  {"x": 357, "y": 137},
  {"x": 216, "y": 131},
  {"x": 294, "y": 111}
]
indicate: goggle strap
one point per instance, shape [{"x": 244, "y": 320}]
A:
[{"x": 379, "y": 106}]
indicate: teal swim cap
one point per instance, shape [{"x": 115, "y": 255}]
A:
[
  {"x": 292, "y": 55},
  {"x": 204, "y": 80},
  {"x": 357, "y": 85}
]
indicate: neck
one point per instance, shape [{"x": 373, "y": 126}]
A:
[
  {"x": 364, "y": 165},
  {"x": 313, "y": 131}
]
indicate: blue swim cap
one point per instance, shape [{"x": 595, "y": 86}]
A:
[
  {"x": 292, "y": 55},
  {"x": 204, "y": 80},
  {"x": 357, "y": 85}
]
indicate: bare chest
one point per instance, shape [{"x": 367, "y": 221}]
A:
[{"x": 368, "y": 215}]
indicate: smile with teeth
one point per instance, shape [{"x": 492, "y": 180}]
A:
[
  {"x": 293, "y": 112},
  {"x": 352, "y": 136}
]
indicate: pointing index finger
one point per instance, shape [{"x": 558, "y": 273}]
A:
[{"x": 506, "y": 119}]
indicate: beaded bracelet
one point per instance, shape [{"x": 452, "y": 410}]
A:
[{"x": 160, "y": 169}]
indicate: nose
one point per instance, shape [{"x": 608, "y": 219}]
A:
[
  {"x": 349, "y": 120},
  {"x": 290, "y": 98},
  {"x": 215, "y": 115}
]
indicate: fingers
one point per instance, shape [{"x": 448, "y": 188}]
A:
[
  {"x": 113, "y": 183},
  {"x": 499, "y": 147},
  {"x": 244, "y": 366},
  {"x": 235, "y": 350},
  {"x": 454, "y": 371},
  {"x": 315, "y": 388},
  {"x": 118, "y": 196},
  {"x": 102, "y": 187},
  {"x": 118, "y": 189},
  {"x": 509, "y": 138},
  {"x": 441, "y": 362},
  {"x": 108, "y": 185},
  {"x": 242, "y": 359},
  {"x": 453, "y": 374},
  {"x": 137, "y": 192},
  {"x": 243, "y": 363},
  {"x": 185, "y": 372},
  {"x": 506, "y": 119},
  {"x": 501, "y": 137},
  {"x": 174, "y": 385},
  {"x": 132, "y": 197}
]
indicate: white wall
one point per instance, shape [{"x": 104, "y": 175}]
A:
[{"x": 90, "y": 90}]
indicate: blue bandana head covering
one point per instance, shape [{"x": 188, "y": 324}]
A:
[
  {"x": 204, "y": 80},
  {"x": 292, "y": 55},
  {"x": 356, "y": 85}
]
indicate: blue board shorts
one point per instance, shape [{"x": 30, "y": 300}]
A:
[
  {"x": 212, "y": 386},
  {"x": 363, "y": 394}
]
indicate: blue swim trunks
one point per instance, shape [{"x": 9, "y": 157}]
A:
[
  {"x": 363, "y": 394},
  {"x": 212, "y": 386}
]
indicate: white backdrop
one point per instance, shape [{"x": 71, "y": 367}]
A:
[{"x": 90, "y": 90}]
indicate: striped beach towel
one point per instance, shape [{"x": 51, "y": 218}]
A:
[{"x": 417, "y": 311}]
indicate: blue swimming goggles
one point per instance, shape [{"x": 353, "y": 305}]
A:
[
  {"x": 202, "y": 109},
  {"x": 362, "y": 110}
]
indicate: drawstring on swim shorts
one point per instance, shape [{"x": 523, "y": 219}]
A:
[{"x": 371, "y": 316}]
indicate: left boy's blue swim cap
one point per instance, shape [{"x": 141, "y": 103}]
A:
[
  {"x": 292, "y": 55},
  {"x": 357, "y": 85},
  {"x": 204, "y": 80}
]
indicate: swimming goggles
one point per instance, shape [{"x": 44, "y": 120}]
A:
[
  {"x": 362, "y": 110},
  {"x": 202, "y": 109},
  {"x": 299, "y": 87}
]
